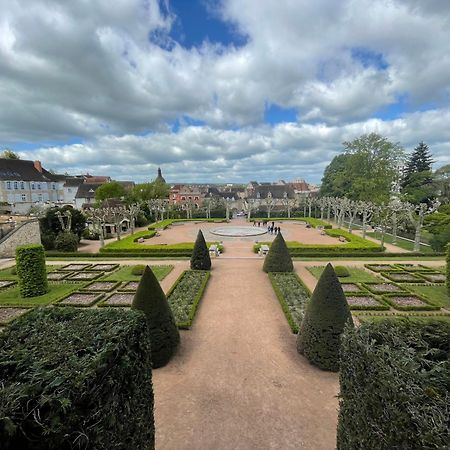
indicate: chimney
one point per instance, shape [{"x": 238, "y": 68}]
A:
[{"x": 38, "y": 166}]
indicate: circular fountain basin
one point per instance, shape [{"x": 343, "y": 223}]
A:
[{"x": 239, "y": 231}]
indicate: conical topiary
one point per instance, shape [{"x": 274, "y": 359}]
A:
[
  {"x": 200, "y": 259},
  {"x": 151, "y": 299},
  {"x": 278, "y": 258},
  {"x": 325, "y": 317}
]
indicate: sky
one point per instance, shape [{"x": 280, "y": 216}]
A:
[{"x": 220, "y": 91}]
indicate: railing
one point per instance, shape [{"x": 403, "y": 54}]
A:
[{"x": 6, "y": 228}]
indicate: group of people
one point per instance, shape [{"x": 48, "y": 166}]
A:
[{"x": 271, "y": 228}]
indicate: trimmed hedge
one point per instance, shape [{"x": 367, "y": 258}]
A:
[
  {"x": 341, "y": 271},
  {"x": 66, "y": 241},
  {"x": 309, "y": 220},
  {"x": 164, "y": 336},
  {"x": 30, "y": 266},
  {"x": 75, "y": 378},
  {"x": 278, "y": 258},
  {"x": 395, "y": 378},
  {"x": 427, "y": 306},
  {"x": 200, "y": 259},
  {"x": 325, "y": 317},
  {"x": 129, "y": 242}
]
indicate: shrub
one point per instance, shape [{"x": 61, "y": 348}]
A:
[
  {"x": 66, "y": 242},
  {"x": 76, "y": 378},
  {"x": 164, "y": 335},
  {"x": 200, "y": 259},
  {"x": 448, "y": 268},
  {"x": 138, "y": 269},
  {"x": 394, "y": 386},
  {"x": 30, "y": 266},
  {"x": 341, "y": 271},
  {"x": 48, "y": 240},
  {"x": 278, "y": 258},
  {"x": 325, "y": 317}
]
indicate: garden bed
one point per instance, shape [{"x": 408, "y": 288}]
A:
[
  {"x": 365, "y": 301},
  {"x": 130, "y": 286},
  {"x": 292, "y": 296},
  {"x": 436, "y": 294},
  {"x": 101, "y": 286},
  {"x": 409, "y": 302},
  {"x": 84, "y": 276},
  {"x": 402, "y": 277},
  {"x": 83, "y": 299},
  {"x": 381, "y": 267},
  {"x": 357, "y": 274},
  {"x": 185, "y": 295},
  {"x": 7, "y": 315},
  {"x": 118, "y": 299},
  {"x": 125, "y": 273},
  {"x": 75, "y": 267},
  {"x": 383, "y": 288},
  {"x": 58, "y": 276},
  {"x": 432, "y": 277},
  {"x": 104, "y": 267},
  {"x": 351, "y": 287}
]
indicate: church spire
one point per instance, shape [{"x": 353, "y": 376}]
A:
[{"x": 160, "y": 178}]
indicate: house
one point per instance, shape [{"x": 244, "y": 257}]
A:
[
  {"x": 25, "y": 183},
  {"x": 182, "y": 194}
]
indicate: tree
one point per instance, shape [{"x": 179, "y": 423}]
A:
[
  {"x": 147, "y": 191},
  {"x": 441, "y": 182},
  {"x": 416, "y": 214},
  {"x": 200, "y": 259},
  {"x": 269, "y": 203},
  {"x": 150, "y": 299},
  {"x": 9, "y": 154},
  {"x": 334, "y": 180},
  {"x": 113, "y": 189},
  {"x": 325, "y": 317},
  {"x": 278, "y": 259}
]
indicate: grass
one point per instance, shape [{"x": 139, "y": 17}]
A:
[
  {"x": 357, "y": 275},
  {"x": 124, "y": 273},
  {"x": 406, "y": 245},
  {"x": 11, "y": 296},
  {"x": 421, "y": 317},
  {"x": 8, "y": 274},
  {"x": 310, "y": 220},
  {"x": 437, "y": 294},
  {"x": 163, "y": 224}
]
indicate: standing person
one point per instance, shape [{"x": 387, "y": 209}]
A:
[
  {"x": 279, "y": 230},
  {"x": 268, "y": 228},
  {"x": 254, "y": 223},
  {"x": 273, "y": 224}
]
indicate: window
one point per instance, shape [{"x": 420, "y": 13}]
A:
[
  {"x": 24, "y": 198},
  {"x": 16, "y": 185},
  {"x": 22, "y": 185},
  {"x": 39, "y": 186},
  {"x": 33, "y": 187},
  {"x": 40, "y": 197},
  {"x": 54, "y": 186},
  {"x": 183, "y": 198},
  {"x": 8, "y": 185},
  {"x": 195, "y": 198}
]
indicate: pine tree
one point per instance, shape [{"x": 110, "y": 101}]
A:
[
  {"x": 278, "y": 259},
  {"x": 150, "y": 299},
  {"x": 326, "y": 315},
  {"x": 200, "y": 259}
]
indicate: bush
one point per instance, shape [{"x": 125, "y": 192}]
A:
[
  {"x": 200, "y": 259},
  {"x": 138, "y": 269},
  {"x": 278, "y": 258},
  {"x": 164, "y": 335},
  {"x": 325, "y": 317},
  {"x": 394, "y": 382},
  {"x": 341, "y": 271},
  {"x": 439, "y": 241},
  {"x": 30, "y": 266},
  {"x": 448, "y": 269},
  {"x": 66, "y": 242},
  {"x": 91, "y": 235},
  {"x": 48, "y": 240},
  {"x": 75, "y": 378}
]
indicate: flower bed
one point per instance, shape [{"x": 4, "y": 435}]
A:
[
  {"x": 58, "y": 276},
  {"x": 104, "y": 267},
  {"x": 402, "y": 277},
  {"x": 380, "y": 267},
  {"x": 433, "y": 277},
  {"x": 185, "y": 295},
  {"x": 101, "y": 286},
  {"x": 351, "y": 287},
  {"x": 7, "y": 315},
  {"x": 365, "y": 301},
  {"x": 409, "y": 302},
  {"x": 414, "y": 267},
  {"x": 118, "y": 299},
  {"x": 382, "y": 288},
  {"x": 131, "y": 286},
  {"x": 75, "y": 267},
  {"x": 292, "y": 296},
  {"x": 80, "y": 299},
  {"x": 84, "y": 276},
  {"x": 6, "y": 283}
]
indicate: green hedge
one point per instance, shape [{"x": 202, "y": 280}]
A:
[
  {"x": 292, "y": 295},
  {"x": 448, "y": 269},
  {"x": 163, "y": 224},
  {"x": 428, "y": 306},
  {"x": 30, "y": 266},
  {"x": 75, "y": 378},
  {"x": 128, "y": 242},
  {"x": 395, "y": 377},
  {"x": 309, "y": 220}
]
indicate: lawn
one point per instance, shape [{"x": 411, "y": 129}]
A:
[
  {"x": 124, "y": 273},
  {"x": 11, "y": 296},
  {"x": 437, "y": 294},
  {"x": 407, "y": 245},
  {"x": 377, "y": 318},
  {"x": 10, "y": 272},
  {"x": 357, "y": 275}
]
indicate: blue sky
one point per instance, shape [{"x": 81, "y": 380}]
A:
[{"x": 226, "y": 90}]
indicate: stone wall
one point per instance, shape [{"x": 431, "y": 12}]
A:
[{"x": 25, "y": 233}]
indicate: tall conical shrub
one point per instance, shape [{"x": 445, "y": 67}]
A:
[
  {"x": 278, "y": 259},
  {"x": 327, "y": 312},
  {"x": 164, "y": 334},
  {"x": 200, "y": 259}
]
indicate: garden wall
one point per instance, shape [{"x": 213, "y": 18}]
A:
[{"x": 23, "y": 234}]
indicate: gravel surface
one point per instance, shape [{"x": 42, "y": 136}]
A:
[
  {"x": 76, "y": 267},
  {"x": 85, "y": 276},
  {"x": 350, "y": 287},
  {"x": 101, "y": 286},
  {"x": 120, "y": 299},
  {"x": 7, "y": 314},
  {"x": 408, "y": 301},
  {"x": 385, "y": 287},
  {"x": 79, "y": 299},
  {"x": 130, "y": 286},
  {"x": 363, "y": 301}
]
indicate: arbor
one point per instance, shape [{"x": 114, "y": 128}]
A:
[
  {"x": 325, "y": 317},
  {"x": 113, "y": 189},
  {"x": 150, "y": 299},
  {"x": 278, "y": 259},
  {"x": 200, "y": 259},
  {"x": 9, "y": 154}
]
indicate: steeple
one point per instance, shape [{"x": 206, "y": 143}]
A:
[{"x": 160, "y": 178}]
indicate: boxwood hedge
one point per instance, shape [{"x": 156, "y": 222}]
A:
[
  {"x": 30, "y": 265},
  {"x": 76, "y": 378},
  {"x": 395, "y": 378}
]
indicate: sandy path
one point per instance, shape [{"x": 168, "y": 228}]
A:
[{"x": 237, "y": 381}]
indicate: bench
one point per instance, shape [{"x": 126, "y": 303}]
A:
[
  {"x": 263, "y": 250},
  {"x": 213, "y": 251}
]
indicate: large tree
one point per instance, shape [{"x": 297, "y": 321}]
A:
[
  {"x": 417, "y": 183},
  {"x": 365, "y": 171},
  {"x": 9, "y": 154},
  {"x": 109, "y": 190},
  {"x": 148, "y": 191}
]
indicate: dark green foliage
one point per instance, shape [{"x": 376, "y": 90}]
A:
[
  {"x": 66, "y": 241},
  {"x": 200, "y": 259},
  {"x": 278, "y": 259},
  {"x": 325, "y": 317},
  {"x": 395, "y": 378},
  {"x": 75, "y": 378},
  {"x": 164, "y": 335},
  {"x": 138, "y": 269},
  {"x": 48, "y": 240},
  {"x": 341, "y": 271},
  {"x": 440, "y": 240},
  {"x": 30, "y": 266},
  {"x": 448, "y": 268},
  {"x": 50, "y": 224}
]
